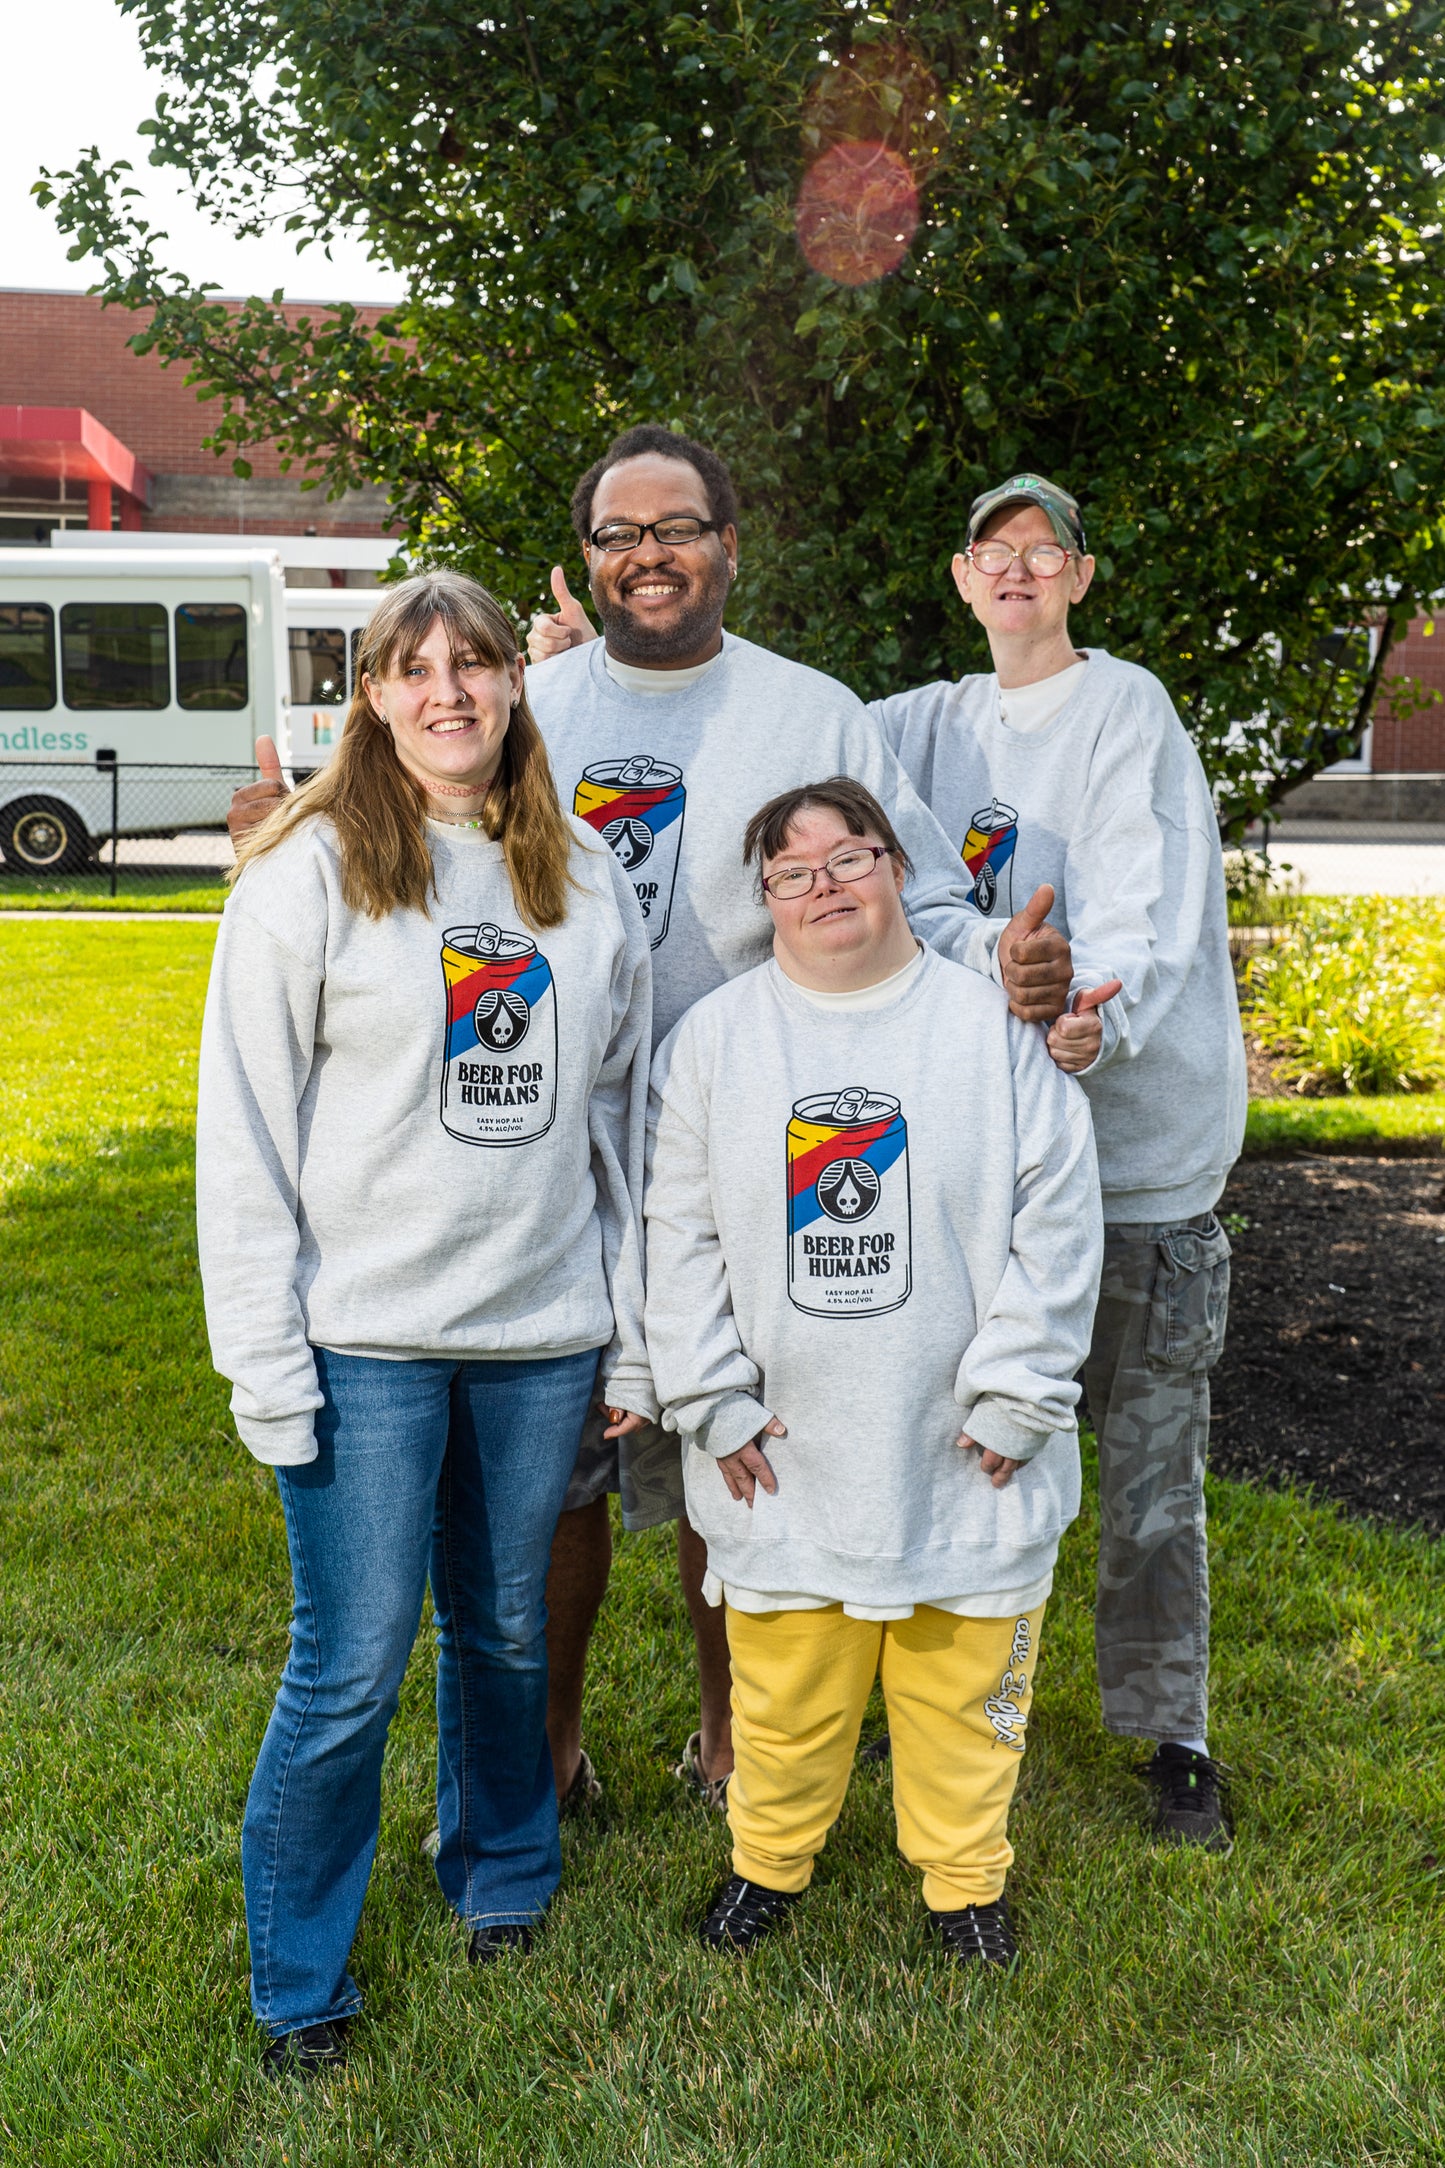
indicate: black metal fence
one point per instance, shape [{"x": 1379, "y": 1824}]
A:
[{"x": 103, "y": 822}]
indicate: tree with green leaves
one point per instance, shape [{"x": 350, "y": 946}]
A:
[{"x": 1188, "y": 262}]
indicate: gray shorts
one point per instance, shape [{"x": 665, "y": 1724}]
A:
[{"x": 644, "y": 1468}]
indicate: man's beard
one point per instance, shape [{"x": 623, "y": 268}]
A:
[{"x": 631, "y": 638}]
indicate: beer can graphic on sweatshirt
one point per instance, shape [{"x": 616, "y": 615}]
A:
[
  {"x": 988, "y": 853},
  {"x": 499, "y": 1065},
  {"x": 637, "y": 806},
  {"x": 850, "y": 1244}
]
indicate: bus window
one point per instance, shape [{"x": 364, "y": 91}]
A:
[
  {"x": 318, "y": 665},
  {"x": 211, "y": 655},
  {"x": 27, "y": 655},
  {"x": 113, "y": 655}
]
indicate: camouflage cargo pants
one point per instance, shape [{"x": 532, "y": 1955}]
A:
[{"x": 1158, "y": 1331}]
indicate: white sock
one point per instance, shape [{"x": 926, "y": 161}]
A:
[{"x": 1195, "y": 1746}]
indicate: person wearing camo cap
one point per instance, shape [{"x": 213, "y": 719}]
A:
[{"x": 1070, "y": 767}]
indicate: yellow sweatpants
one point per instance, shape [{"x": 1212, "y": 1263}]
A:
[{"x": 958, "y": 1692}]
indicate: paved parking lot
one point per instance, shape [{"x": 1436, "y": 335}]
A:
[{"x": 1371, "y": 859}]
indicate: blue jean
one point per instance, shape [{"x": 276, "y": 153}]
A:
[{"x": 458, "y": 1469}]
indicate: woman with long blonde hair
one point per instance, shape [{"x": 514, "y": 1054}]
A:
[{"x": 423, "y": 1089}]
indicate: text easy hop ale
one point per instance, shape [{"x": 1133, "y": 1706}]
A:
[
  {"x": 850, "y": 1236},
  {"x": 988, "y": 853},
  {"x": 499, "y": 1064},
  {"x": 637, "y": 806}
]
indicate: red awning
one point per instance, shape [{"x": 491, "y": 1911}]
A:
[{"x": 54, "y": 443}]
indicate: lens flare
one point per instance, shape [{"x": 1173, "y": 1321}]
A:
[{"x": 857, "y": 213}]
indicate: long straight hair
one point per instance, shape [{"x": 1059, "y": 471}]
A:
[{"x": 379, "y": 811}]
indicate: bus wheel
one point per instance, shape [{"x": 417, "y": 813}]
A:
[{"x": 39, "y": 835}]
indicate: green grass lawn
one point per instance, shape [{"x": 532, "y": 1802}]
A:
[
  {"x": 91, "y": 892},
  {"x": 1406, "y": 1122},
  {"x": 1284, "y": 2006}
]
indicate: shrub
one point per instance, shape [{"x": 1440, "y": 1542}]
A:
[
  {"x": 1254, "y": 891},
  {"x": 1351, "y": 997}
]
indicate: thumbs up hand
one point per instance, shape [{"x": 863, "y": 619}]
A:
[
  {"x": 570, "y": 627},
  {"x": 1035, "y": 962},
  {"x": 253, "y": 801},
  {"x": 1076, "y": 1039}
]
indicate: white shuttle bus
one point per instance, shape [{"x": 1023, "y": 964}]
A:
[{"x": 123, "y": 652}]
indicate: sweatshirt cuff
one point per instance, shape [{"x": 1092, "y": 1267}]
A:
[
  {"x": 278, "y": 1441},
  {"x": 990, "y": 1422},
  {"x": 1108, "y": 1012},
  {"x": 630, "y": 1388},
  {"x": 732, "y": 1421}
]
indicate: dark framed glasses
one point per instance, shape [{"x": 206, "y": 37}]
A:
[
  {"x": 790, "y": 882},
  {"x": 625, "y": 534}
]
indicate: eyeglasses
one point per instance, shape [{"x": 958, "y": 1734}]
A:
[
  {"x": 796, "y": 881},
  {"x": 1044, "y": 559},
  {"x": 625, "y": 534}
]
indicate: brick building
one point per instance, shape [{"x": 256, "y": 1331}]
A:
[
  {"x": 1412, "y": 742},
  {"x": 94, "y": 435},
  {"x": 1400, "y": 775}
]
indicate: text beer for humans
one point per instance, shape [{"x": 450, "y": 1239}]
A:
[
  {"x": 499, "y": 1071},
  {"x": 637, "y": 805},
  {"x": 848, "y": 1224}
]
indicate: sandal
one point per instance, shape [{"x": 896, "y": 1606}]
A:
[
  {"x": 583, "y": 1792},
  {"x": 712, "y": 1791}
]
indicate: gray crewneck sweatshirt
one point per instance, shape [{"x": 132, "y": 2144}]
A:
[
  {"x": 420, "y": 1135},
  {"x": 881, "y": 1226},
  {"x": 670, "y": 781},
  {"x": 1109, "y": 803}
]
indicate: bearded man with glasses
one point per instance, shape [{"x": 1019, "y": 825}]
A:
[
  {"x": 1069, "y": 767},
  {"x": 664, "y": 735}
]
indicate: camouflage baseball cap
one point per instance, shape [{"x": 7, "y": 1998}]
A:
[{"x": 1063, "y": 512}]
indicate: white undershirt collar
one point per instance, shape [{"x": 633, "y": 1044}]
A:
[
  {"x": 633, "y": 680},
  {"x": 1028, "y": 708},
  {"x": 865, "y": 997}
]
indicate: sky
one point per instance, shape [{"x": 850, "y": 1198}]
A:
[{"x": 77, "y": 78}]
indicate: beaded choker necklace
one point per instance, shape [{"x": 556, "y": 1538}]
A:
[{"x": 445, "y": 820}]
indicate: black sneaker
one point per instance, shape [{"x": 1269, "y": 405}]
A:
[
  {"x": 1189, "y": 1803},
  {"x": 301, "y": 2054},
  {"x": 977, "y": 1934},
  {"x": 742, "y": 1913},
  {"x": 489, "y": 1943},
  {"x": 877, "y": 1750}
]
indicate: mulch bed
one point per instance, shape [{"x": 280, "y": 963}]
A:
[{"x": 1334, "y": 1370}]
